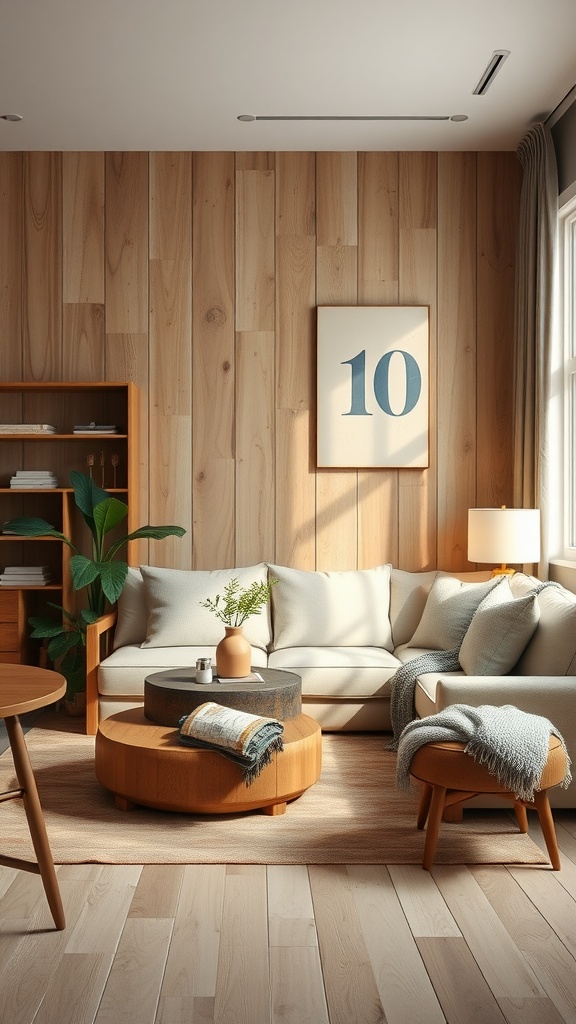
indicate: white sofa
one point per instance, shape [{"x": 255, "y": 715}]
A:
[{"x": 345, "y": 634}]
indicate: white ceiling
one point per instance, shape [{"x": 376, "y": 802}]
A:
[{"x": 175, "y": 74}]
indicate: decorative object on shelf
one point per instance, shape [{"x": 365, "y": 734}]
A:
[
  {"x": 90, "y": 460},
  {"x": 233, "y": 653},
  {"x": 115, "y": 460},
  {"x": 504, "y": 535},
  {"x": 373, "y": 386},
  {"x": 95, "y": 428},
  {"x": 103, "y": 575},
  {"x": 102, "y": 468}
]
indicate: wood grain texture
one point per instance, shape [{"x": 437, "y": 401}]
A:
[
  {"x": 83, "y": 228},
  {"x": 456, "y": 354},
  {"x": 250, "y": 243},
  {"x": 126, "y": 243},
  {"x": 255, "y": 207},
  {"x": 417, "y": 514},
  {"x": 42, "y": 267},
  {"x": 213, "y": 356},
  {"x": 377, "y": 285},
  {"x": 255, "y": 433}
]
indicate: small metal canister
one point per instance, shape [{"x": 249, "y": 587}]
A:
[{"x": 204, "y": 670}]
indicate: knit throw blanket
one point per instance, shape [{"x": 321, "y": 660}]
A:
[
  {"x": 248, "y": 740},
  {"x": 512, "y": 744}
]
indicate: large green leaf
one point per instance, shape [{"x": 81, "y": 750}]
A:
[
  {"x": 89, "y": 616},
  {"x": 83, "y": 571},
  {"x": 146, "y": 533},
  {"x": 112, "y": 576},
  {"x": 32, "y": 526},
  {"x": 44, "y": 627},
  {"x": 87, "y": 495},
  {"x": 60, "y": 645},
  {"x": 108, "y": 514}
]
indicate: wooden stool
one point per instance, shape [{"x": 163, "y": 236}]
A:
[
  {"x": 25, "y": 688},
  {"x": 451, "y": 776}
]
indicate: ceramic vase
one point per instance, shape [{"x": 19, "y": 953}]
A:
[{"x": 233, "y": 654}]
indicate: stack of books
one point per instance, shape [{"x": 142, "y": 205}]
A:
[
  {"x": 95, "y": 428},
  {"x": 32, "y": 479},
  {"x": 27, "y": 428},
  {"x": 25, "y": 576}
]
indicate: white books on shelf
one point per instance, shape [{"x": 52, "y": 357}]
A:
[
  {"x": 32, "y": 479},
  {"x": 25, "y": 576},
  {"x": 27, "y": 428}
]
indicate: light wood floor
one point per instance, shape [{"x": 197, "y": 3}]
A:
[{"x": 297, "y": 945}]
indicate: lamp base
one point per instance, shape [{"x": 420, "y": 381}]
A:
[{"x": 502, "y": 570}]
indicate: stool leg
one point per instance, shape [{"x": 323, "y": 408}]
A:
[
  {"x": 521, "y": 816},
  {"x": 547, "y": 825},
  {"x": 35, "y": 818},
  {"x": 434, "y": 818},
  {"x": 424, "y": 805}
]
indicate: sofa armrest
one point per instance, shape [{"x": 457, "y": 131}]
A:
[
  {"x": 99, "y": 636},
  {"x": 553, "y": 697}
]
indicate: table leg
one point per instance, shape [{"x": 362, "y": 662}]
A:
[{"x": 36, "y": 823}]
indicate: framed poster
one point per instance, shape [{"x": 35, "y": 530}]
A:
[{"x": 373, "y": 386}]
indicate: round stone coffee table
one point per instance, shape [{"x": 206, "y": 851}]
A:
[{"x": 143, "y": 762}]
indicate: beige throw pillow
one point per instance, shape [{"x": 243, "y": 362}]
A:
[
  {"x": 176, "y": 617},
  {"x": 500, "y": 629},
  {"x": 448, "y": 612},
  {"x": 331, "y": 609},
  {"x": 132, "y": 612}
]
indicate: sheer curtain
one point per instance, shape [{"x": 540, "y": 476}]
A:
[{"x": 535, "y": 278}]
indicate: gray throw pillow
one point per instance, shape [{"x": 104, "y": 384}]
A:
[
  {"x": 448, "y": 612},
  {"x": 501, "y": 628}
]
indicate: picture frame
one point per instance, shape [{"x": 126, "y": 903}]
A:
[{"x": 373, "y": 387}]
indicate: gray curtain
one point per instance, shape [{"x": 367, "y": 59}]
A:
[{"x": 535, "y": 277}]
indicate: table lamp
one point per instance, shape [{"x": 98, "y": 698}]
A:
[{"x": 504, "y": 535}]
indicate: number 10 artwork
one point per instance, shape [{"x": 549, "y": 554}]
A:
[{"x": 373, "y": 386}]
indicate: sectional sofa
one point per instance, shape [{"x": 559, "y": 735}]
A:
[{"x": 346, "y": 634}]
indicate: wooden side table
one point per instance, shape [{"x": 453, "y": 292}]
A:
[{"x": 25, "y": 688}]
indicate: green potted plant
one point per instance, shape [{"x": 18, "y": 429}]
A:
[
  {"x": 233, "y": 653},
  {"x": 102, "y": 575}
]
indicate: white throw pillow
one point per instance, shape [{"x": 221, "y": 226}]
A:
[
  {"x": 448, "y": 612},
  {"x": 500, "y": 629},
  {"x": 552, "y": 649},
  {"x": 132, "y": 611},
  {"x": 176, "y": 617},
  {"x": 331, "y": 609}
]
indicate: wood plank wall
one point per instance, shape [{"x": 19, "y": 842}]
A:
[{"x": 197, "y": 275}]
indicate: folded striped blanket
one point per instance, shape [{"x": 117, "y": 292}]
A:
[{"x": 248, "y": 740}]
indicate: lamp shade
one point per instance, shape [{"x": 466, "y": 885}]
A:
[{"x": 504, "y": 535}]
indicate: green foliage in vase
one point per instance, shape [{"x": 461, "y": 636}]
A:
[{"x": 239, "y": 604}]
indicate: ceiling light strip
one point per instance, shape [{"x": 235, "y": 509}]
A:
[
  {"x": 491, "y": 70},
  {"x": 345, "y": 117}
]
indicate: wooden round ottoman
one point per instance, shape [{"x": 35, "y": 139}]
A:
[{"x": 451, "y": 776}]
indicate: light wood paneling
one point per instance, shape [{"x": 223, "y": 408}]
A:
[
  {"x": 197, "y": 275},
  {"x": 42, "y": 267},
  {"x": 418, "y": 286},
  {"x": 255, "y": 447},
  {"x": 336, "y": 284},
  {"x": 255, "y": 250},
  {"x": 377, "y": 285},
  {"x": 126, "y": 243},
  {"x": 213, "y": 360},
  {"x": 170, "y": 391},
  {"x": 457, "y": 354},
  {"x": 83, "y": 227}
]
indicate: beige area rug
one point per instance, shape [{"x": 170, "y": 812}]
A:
[{"x": 353, "y": 815}]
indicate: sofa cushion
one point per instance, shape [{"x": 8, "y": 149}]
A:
[
  {"x": 338, "y": 673},
  {"x": 498, "y": 633},
  {"x": 552, "y": 649},
  {"x": 176, "y": 617},
  {"x": 132, "y": 611},
  {"x": 331, "y": 609},
  {"x": 448, "y": 612}
]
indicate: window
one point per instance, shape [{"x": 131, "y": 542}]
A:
[{"x": 567, "y": 246}]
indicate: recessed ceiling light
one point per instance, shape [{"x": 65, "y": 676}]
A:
[
  {"x": 246, "y": 117},
  {"x": 11, "y": 117},
  {"x": 490, "y": 71},
  {"x": 459, "y": 117}
]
